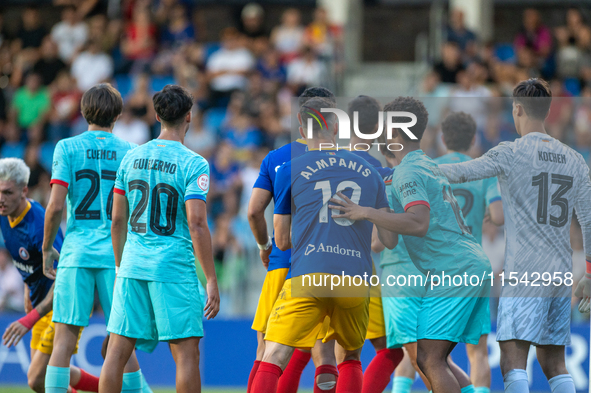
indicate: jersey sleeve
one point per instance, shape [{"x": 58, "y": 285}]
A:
[
  {"x": 492, "y": 191},
  {"x": 60, "y": 170},
  {"x": 497, "y": 161},
  {"x": 264, "y": 179},
  {"x": 282, "y": 190},
  {"x": 120, "y": 179},
  {"x": 583, "y": 208},
  {"x": 198, "y": 181},
  {"x": 409, "y": 188},
  {"x": 382, "y": 197}
]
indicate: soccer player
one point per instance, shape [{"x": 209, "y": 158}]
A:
[
  {"x": 21, "y": 222},
  {"x": 159, "y": 204},
  {"x": 277, "y": 262},
  {"x": 428, "y": 217},
  {"x": 378, "y": 372},
  {"x": 303, "y": 187},
  {"x": 475, "y": 199},
  {"x": 541, "y": 181},
  {"x": 83, "y": 175}
]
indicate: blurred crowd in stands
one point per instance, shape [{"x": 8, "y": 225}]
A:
[{"x": 243, "y": 84}]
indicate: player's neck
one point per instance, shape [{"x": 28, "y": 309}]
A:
[
  {"x": 172, "y": 135},
  {"x": 94, "y": 127},
  {"x": 314, "y": 144},
  {"x": 21, "y": 208},
  {"x": 530, "y": 126},
  {"x": 449, "y": 151},
  {"x": 408, "y": 148}
]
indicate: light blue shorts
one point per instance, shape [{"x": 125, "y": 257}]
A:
[
  {"x": 150, "y": 310},
  {"x": 401, "y": 316},
  {"x": 455, "y": 314},
  {"x": 73, "y": 294}
]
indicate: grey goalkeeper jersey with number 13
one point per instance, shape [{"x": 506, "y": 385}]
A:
[{"x": 541, "y": 181}]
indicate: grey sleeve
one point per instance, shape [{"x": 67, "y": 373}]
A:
[
  {"x": 583, "y": 209},
  {"x": 497, "y": 161}
]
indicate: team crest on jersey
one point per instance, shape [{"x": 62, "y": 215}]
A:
[
  {"x": 203, "y": 182},
  {"x": 23, "y": 253}
]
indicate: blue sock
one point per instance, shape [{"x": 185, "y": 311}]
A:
[
  {"x": 468, "y": 389},
  {"x": 132, "y": 382},
  {"x": 516, "y": 381},
  {"x": 481, "y": 389},
  {"x": 401, "y": 385},
  {"x": 145, "y": 386},
  {"x": 57, "y": 379},
  {"x": 562, "y": 384}
]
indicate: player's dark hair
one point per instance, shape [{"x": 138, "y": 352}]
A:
[
  {"x": 172, "y": 104},
  {"x": 535, "y": 96},
  {"x": 367, "y": 109},
  {"x": 316, "y": 91},
  {"x": 412, "y": 105},
  {"x": 101, "y": 104},
  {"x": 322, "y": 123},
  {"x": 458, "y": 130}
]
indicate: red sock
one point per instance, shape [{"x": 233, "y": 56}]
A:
[
  {"x": 350, "y": 377},
  {"x": 73, "y": 390},
  {"x": 326, "y": 369},
  {"x": 88, "y": 383},
  {"x": 267, "y": 378},
  {"x": 253, "y": 373},
  {"x": 377, "y": 374},
  {"x": 290, "y": 380}
]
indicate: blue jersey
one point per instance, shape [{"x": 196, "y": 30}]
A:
[
  {"x": 87, "y": 165},
  {"x": 448, "y": 245},
  {"x": 278, "y": 259},
  {"x": 473, "y": 197},
  {"x": 24, "y": 240},
  {"x": 385, "y": 172},
  {"x": 158, "y": 178},
  {"x": 322, "y": 244}
]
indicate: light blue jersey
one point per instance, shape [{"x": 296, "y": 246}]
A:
[
  {"x": 448, "y": 245},
  {"x": 473, "y": 197},
  {"x": 158, "y": 178},
  {"x": 87, "y": 165}
]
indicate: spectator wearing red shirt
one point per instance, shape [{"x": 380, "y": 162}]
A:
[{"x": 139, "y": 43}]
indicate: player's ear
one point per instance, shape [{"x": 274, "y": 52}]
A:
[
  {"x": 25, "y": 190},
  {"x": 158, "y": 118},
  {"x": 302, "y": 134},
  {"x": 473, "y": 140},
  {"x": 336, "y": 128},
  {"x": 188, "y": 117},
  {"x": 300, "y": 119}
]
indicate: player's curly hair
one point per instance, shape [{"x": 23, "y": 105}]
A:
[
  {"x": 101, "y": 105},
  {"x": 535, "y": 96},
  {"x": 458, "y": 130},
  {"x": 412, "y": 105},
  {"x": 172, "y": 104}
]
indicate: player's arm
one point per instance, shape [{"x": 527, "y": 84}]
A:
[
  {"x": 376, "y": 245},
  {"x": 17, "y": 330},
  {"x": 386, "y": 237},
  {"x": 119, "y": 217},
  {"x": 53, "y": 218},
  {"x": 583, "y": 211},
  {"x": 495, "y": 213},
  {"x": 493, "y": 163},
  {"x": 282, "y": 228},
  {"x": 28, "y": 305},
  {"x": 259, "y": 200},
  {"x": 197, "y": 219}
]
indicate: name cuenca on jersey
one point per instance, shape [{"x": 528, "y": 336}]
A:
[
  {"x": 321, "y": 243},
  {"x": 541, "y": 181},
  {"x": 157, "y": 178},
  {"x": 87, "y": 165},
  {"x": 473, "y": 197},
  {"x": 23, "y": 238}
]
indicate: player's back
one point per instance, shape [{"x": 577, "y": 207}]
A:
[
  {"x": 541, "y": 182},
  {"x": 322, "y": 244},
  {"x": 473, "y": 197},
  {"x": 87, "y": 165},
  {"x": 418, "y": 180},
  {"x": 157, "y": 178}
]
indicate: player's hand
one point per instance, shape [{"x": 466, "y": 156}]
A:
[
  {"x": 48, "y": 257},
  {"x": 13, "y": 334},
  {"x": 584, "y": 291},
  {"x": 265, "y": 256},
  {"x": 350, "y": 210},
  {"x": 212, "y": 307}
]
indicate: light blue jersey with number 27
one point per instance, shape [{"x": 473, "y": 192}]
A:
[
  {"x": 158, "y": 178},
  {"x": 87, "y": 165}
]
